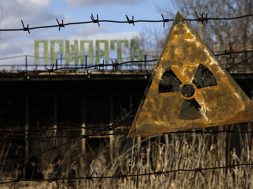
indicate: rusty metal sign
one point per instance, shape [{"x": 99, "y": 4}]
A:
[{"x": 189, "y": 89}]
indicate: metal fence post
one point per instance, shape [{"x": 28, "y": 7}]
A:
[
  {"x": 26, "y": 64},
  {"x": 145, "y": 62},
  {"x": 86, "y": 61},
  {"x": 56, "y": 63}
]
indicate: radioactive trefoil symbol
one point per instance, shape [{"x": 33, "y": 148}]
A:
[{"x": 169, "y": 83}]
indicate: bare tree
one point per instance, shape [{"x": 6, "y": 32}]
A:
[
  {"x": 222, "y": 34},
  {"x": 218, "y": 35}
]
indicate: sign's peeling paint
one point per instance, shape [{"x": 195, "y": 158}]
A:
[{"x": 189, "y": 89}]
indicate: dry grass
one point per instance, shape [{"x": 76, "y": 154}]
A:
[{"x": 186, "y": 151}]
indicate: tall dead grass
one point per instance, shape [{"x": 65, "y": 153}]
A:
[{"x": 169, "y": 152}]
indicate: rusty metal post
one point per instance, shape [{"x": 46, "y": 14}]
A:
[
  {"x": 228, "y": 149},
  {"x": 26, "y": 64},
  {"x": 26, "y": 127},
  {"x": 55, "y": 119},
  {"x": 83, "y": 131},
  {"x": 112, "y": 131}
]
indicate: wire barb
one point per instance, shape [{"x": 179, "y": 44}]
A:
[
  {"x": 122, "y": 176},
  {"x": 165, "y": 20},
  {"x": 96, "y": 21},
  {"x": 114, "y": 63},
  {"x": 199, "y": 170},
  {"x": 89, "y": 177},
  {"x": 202, "y": 17},
  {"x": 244, "y": 60},
  {"x": 60, "y": 25},
  {"x": 199, "y": 131},
  {"x": 25, "y": 28},
  {"x": 130, "y": 21}
]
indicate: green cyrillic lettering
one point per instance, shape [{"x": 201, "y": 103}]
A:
[
  {"x": 102, "y": 53},
  {"x": 37, "y": 49},
  {"x": 82, "y": 51},
  {"x": 54, "y": 55}
]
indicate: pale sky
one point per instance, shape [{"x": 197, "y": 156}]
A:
[{"x": 45, "y": 12}]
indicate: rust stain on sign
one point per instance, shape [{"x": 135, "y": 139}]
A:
[{"x": 189, "y": 89}]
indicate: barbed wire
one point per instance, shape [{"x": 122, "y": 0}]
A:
[
  {"x": 126, "y": 120},
  {"x": 97, "y": 132},
  {"x": 200, "y": 17},
  {"x": 231, "y": 51},
  {"x": 112, "y": 126},
  {"x": 114, "y": 64},
  {"x": 90, "y": 177},
  {"x": 101, "y": 134},
  {"x": 36, "y": 137},
  {"x": 218, "y": 53},
  {"x": 145, "y": 63},
  {"x": 6, "y": 165},
  {"x": 243, "y": 61}
]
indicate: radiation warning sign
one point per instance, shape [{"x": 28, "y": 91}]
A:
[{"x": 189, "y": 89}]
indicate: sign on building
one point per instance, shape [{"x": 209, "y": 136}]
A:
[{"x": 83, "y": 52}]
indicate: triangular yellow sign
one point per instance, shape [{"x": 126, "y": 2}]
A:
[{"x": 189, "y": 89}]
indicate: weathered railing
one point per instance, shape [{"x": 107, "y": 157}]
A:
[{"x": 25, "y": 63}]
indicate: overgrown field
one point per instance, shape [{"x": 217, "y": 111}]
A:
[{"x": 186, "y": 153}]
